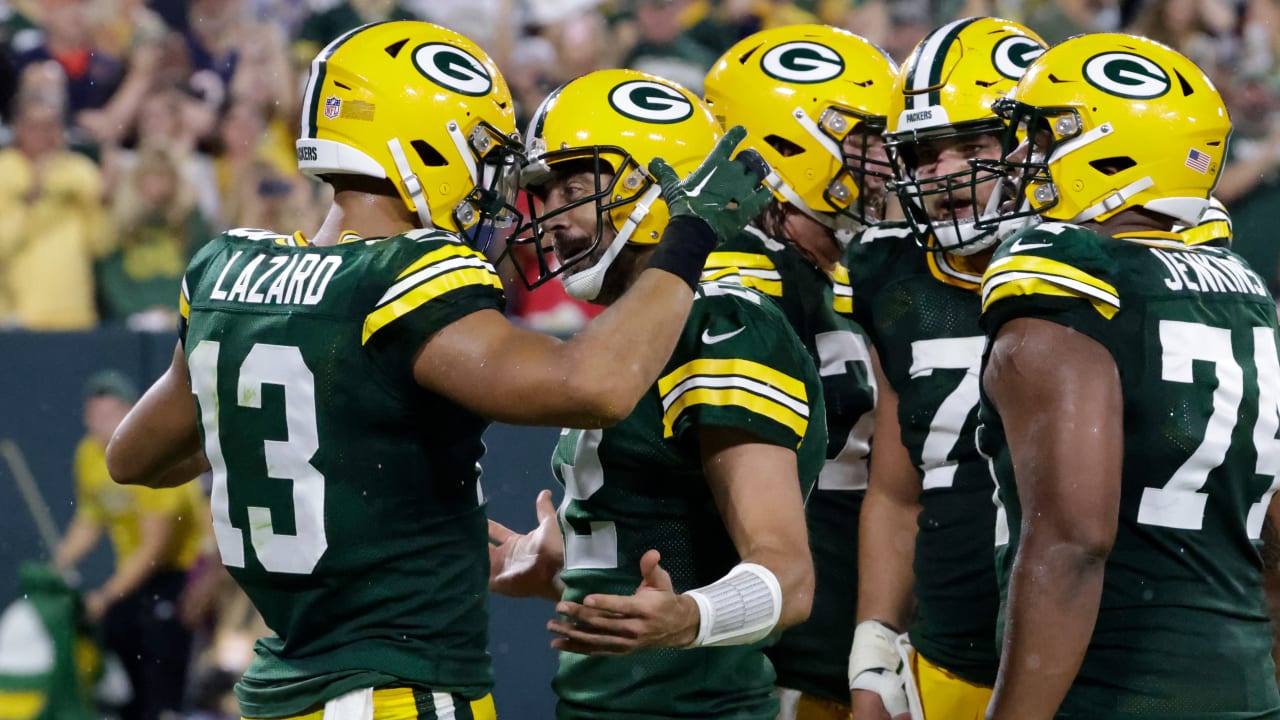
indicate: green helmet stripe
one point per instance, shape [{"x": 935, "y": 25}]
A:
[
  {"x": 932, "y": 56},
  {"x": 316, "y": 82}
]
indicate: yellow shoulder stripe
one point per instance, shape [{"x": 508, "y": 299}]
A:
[
  {"x": 184, "y": 304},
  {"x": 1031, "y": 275},
  {"x": 753, "y": 270},
  {"x": 738, "y": 397},
  {"x": 842, "y": 290},
  {"x": 722, "y": 273},
  {"x": 734, "y": 382},
  {"x": 1207, "y": 232},
  {"x": 441, "y": 253},
  {"x": 447, "y": 281},
  {"x": 739, "y": 259}
]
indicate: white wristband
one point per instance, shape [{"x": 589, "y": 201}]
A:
[
  {"x": 874, "y": 648},
  {"x": 738, "y": 609}
]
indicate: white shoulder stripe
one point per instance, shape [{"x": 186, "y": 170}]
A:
[
  {"x": 440, "y": 268},
  {"x": 735, "y": 381},
  {"x": 1083, "y": 288}
]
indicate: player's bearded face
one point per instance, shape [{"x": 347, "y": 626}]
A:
[
  {"x": 573, "y": 230},
  {"x": 866, "y": 156},
  {"x": 946, "y": 156}
]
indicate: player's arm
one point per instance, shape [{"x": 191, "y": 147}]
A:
[
  {"x": 158, "y": 444},
  {"x": 1059, "y": 397},
  {"x": 487, "y": 364},
  {"x": 757, "y": 491},
  {"x": 887, "y": 531}
]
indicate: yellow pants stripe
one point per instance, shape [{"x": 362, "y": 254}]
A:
[{"x": 418, "y": 704}]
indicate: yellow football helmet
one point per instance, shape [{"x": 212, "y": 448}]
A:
[
  {"x": 800, "y": 91},
  {"x": 423, "y": 107},
  {"x": 945, "y": 90},
  {"x": 612, "y": 122},
  {"x": 1114, "y": 122}
]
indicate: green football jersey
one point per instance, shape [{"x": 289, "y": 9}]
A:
[
  {"x": 814, "y": 656},
  {"x": 345, "y": 498},
  {"x": 1182, "y": 629},
  {"x": 640, "y": 485},
  {"x": 921, "y": 310}
]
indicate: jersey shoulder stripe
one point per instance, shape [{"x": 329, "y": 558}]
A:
[
  {"x": 261, "y": 235},
  {"x": 755, "y": 270},
  {"x": 1052, "y": 259},
  {"x": 184, "y": 300},
  {"x": 841, "y": 290},
  {"x": 738, "y": 382},
  {"x": 439, "y": 271}
]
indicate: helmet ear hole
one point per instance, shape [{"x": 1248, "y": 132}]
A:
[
  {"x": 430, "y": 156},
  {"x": 783, "y": 146},
  {"x": 1112, "y": 165}
]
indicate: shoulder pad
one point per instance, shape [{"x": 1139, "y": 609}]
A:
[{"x": 1052, "y": 259}]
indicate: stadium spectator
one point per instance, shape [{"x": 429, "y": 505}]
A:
[
  {"x": 158, "y": 227},
  {"x": 50, "y": 199},
  {"x": 155, "y": 535}
]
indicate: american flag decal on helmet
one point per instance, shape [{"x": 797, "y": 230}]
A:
[{"x": 1198, "y": 161}]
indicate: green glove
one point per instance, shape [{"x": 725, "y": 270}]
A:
[{"x": 726, "y": 194}]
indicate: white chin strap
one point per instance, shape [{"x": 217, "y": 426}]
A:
[
  {"x": 965, "y": 239},
  {"x": 586, "y": 285},
  {"x": 1113, "y": 201},
  {"x": 413, "y": 186},
  {"x": 410, "y": 182}
]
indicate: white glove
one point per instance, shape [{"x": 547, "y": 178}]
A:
[{"x": 875, "y": 665}]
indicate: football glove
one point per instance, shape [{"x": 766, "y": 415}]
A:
[{"x": 726, "y": 194}]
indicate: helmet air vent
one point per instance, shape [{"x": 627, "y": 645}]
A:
[
  {"x": 1186, "y": 86},
  {"x": 394, "y": 48},
  {"x": 430, "y": 156}
]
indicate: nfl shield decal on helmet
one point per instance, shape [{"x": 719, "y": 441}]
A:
[{"x": 332, "y": 105}]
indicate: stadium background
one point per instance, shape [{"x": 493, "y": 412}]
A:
[{"x": 168, "y": 120}]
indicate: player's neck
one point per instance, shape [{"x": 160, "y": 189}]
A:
[
  {"x": 365, "y": 214},
  {"x": 1133, "y": 220}
]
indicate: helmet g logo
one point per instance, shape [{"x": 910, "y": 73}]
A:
[
  {"x": 1013, "y": 55},
  {"x": 453, "y": 69},
  {"x": 802, "y": 62},
  {"x": 1126, "y": 75},
  {"x": 649, "y": 101}
]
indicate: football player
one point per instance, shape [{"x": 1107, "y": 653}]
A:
[
  {"x": 813, "y": 100},
  {"x": 684, "y": 543},
  {"x": 341, "y": 383},
  {"x": 1131, "y": 400},
  {"x": 926, "y": 529}
]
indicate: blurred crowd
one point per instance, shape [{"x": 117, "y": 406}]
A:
[{"x": 135, "y": 130}]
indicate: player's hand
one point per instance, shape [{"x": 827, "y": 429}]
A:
[
  {"x": 655, "y": 616},
  {"x": 725, "y": 193},
  {"x": 528, "y": 565}
]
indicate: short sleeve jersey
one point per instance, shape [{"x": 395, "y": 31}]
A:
[
  {"x": 640, "y": 484},
  {"x": 921, "y": 310},
  {"x": 813, "y": 657},
  {"x": 1182, "y": 629},
  {"x": 345, "y": 497}
]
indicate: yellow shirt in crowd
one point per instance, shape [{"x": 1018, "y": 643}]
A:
[{"x": 119, "y": 508}]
